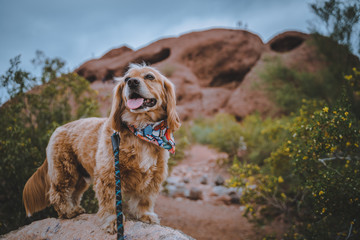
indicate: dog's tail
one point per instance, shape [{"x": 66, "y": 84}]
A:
[{"x": 35, "y": 194}]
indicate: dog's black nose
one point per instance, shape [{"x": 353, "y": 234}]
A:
[{"x": 133, "y": 83}]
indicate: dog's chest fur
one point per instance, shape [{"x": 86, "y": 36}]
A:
[{"x": 139, "y": 160}]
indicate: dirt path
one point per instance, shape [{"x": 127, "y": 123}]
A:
[
  {"x": 206, "y": 218},
  {"x": 203, "y": 220}
]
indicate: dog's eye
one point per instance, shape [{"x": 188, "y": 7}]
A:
[
  {"x": 127, "y": 79},
  {"x": 149, "y": 77}
]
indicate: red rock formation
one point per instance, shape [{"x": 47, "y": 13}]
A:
[{"x": 214, "y": 70}]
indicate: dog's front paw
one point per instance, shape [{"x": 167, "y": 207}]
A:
[
  {"x": 150, "y": 217},
  {"x": 71, "y": 213},
  {"x": 108, "y": 223}
]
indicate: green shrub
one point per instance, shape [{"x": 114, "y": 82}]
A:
[
  {"x": 287, "y": 86},
  {"x": 221, "y": 132},
  {"x": 312, "y": 179},
  {"x": 168, "y": 70},
  {"x": 255, "y": 135},
  {"x": 27, "y": 122},
  {"x": 182, "y": 143},
  {"x": 261, "y": 136}
]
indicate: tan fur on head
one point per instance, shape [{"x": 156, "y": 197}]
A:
[
  {"x": 172, "y": 116},
  {"x": 117, "y": 107},
  {"x": 159, "y": 88},
  {"x": 80, "y": 153}
]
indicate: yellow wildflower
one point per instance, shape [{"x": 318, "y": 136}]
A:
[
  {"x": 350, "y": 125},
  {"x": 283, "y": 195},
  {"x": 321, "y": 193},
  {"x": 305, "y": 158},
  {"x": 356, "y": 145},
  {"x": 348, "y": 144},
  {"x": 280, "y": 179},
  {"x": 323, "y": 210},
  {"x": 251, "y": 179},
  {"x": 348, "y": 77},
  {"x": 334, "y": 112},
  {"x": 346, "y": 113},
  {"x": 326, "y": 109}
]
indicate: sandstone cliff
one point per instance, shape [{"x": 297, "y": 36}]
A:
[{"x": 214, "y": 71}]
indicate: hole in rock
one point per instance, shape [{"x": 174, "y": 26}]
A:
[
  {"x": 286, "y": 44},
  {"x": 154, "y": 58},
  {"x": 228, "y": 76}
]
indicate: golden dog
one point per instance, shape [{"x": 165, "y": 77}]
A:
[{"x": 80, "y": 153}]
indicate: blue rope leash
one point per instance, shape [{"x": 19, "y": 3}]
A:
[{"x": 115, "y": 139}]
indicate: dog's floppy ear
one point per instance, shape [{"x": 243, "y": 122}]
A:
[
  {"x": 173, "y": 119},
  {"x": 117, "y": 107}
]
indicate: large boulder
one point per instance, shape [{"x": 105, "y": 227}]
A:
[{"x": 86, "y": 226}]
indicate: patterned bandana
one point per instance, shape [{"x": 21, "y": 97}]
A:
[{"x": 157, "y": 133}]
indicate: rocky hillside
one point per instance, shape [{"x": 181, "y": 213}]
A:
[
  {"x": 85, "y": 226},
  {"x": 214, "y": 71}
]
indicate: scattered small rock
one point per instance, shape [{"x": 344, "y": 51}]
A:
[
  {"x": 195, "y": 193},
  {"x": 221, "y": 200},
  {"x": 173, "y": 180},
  {"x": 234, "y": 198},
  {"x": 219, "y": 180},
  {"x": 204, "y": 179},
  {"x": 220, "y": 190},
  {"x": 186, "y": 180},
  {"x": 235, "y": 190},
  {"x": 181, "y": 190},
  {"x": 171, "y": 190}
]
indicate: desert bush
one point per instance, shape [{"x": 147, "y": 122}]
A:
[
  {"x": 28, "y": 120},
  {"x": 252, "y": 139},
  {"x": 221, "y": 132},
  {"x": 261, "y": 136},
  {"x": 183, "y": 140},
  {"x": 168, "y": 70},
  {"x": 287, "y": 85},
  {"x": 312, "y": 179}
]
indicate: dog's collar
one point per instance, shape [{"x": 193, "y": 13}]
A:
[{"x": 157, "y": 133}]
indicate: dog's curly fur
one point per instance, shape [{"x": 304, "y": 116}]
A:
[{"x": 80, "y": 153}]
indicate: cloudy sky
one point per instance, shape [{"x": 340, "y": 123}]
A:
[{"x": 78, "y": 30}]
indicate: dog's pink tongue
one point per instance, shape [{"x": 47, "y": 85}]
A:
[{"x": 135, "y": 103}]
